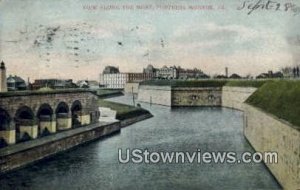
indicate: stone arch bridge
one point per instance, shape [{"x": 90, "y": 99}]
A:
[{"x": 33, "y": 114}]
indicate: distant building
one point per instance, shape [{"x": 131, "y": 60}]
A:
[
  {"x": 226, "y": 72},
  {"x": 150, "y": 70},
  {"x": 270, "y": 74},
  {"x": 174, "y": 72},
  {"x": 53, "y": 83},
  {"x": 167, "y": 73},
  {"x": 3, "y": 83},
  {"x": 191, "y": 73},
  {"x": 88, "y": 84},
  {"x": 277, "y": 75},
  {"x": 15, "y": 83},
  {"x": 111, "y": 70},
  {"x": 139, "y": 77},
  {"x": 112, "y": 78},
  {"x": 118, "y": 80},
  {"x": 113, "y": 81}
]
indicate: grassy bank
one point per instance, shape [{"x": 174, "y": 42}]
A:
[
  {"x": 186, "y": 83},
  {"x": 280, "y": 98},
  {"x": 123, "y": 111},
  {"x": 206, "y": 83},
  {"x": 246, "y": 83},
  {"x": 105, "y": 93}
]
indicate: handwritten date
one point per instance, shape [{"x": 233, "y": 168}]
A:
[{"x": 253, "y": 5}]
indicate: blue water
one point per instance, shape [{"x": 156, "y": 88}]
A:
[{"x": 96, "y": 165}]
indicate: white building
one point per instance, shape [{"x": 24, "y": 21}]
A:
[
  {"x": 114, "y": 80},
  {"x": 167, "y": 73}
]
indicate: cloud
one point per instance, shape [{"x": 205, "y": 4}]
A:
[{"x": 227, "y": 39}]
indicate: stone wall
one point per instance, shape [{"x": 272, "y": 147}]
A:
[
  {"x": 19, "y": 155},
  {"x": 160, "y": 95},
  {"x": 131, "y": 86},
  {"x": 12, "y": 102},
  {"x": 179, "y": 96},
  {"x": 33, "y": 101},
  {"x": 234, "y": 97},
  {"x": 196, "y": 96},
  {"x": 265, "y": 132},
  {"x": 133, "y": 120}
]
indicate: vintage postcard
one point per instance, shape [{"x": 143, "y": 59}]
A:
[{"x": 150, "y": 94}]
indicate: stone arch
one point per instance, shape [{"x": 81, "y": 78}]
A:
[
  {"x": 43, "y": 111},
  {"x": 76, "y": 111},
  {"x": 45, "y": 117},
  {"x": 63, "y": 119},
  {"x": 4, "y": 120},
  {"x": 24, "y": 113},
  {"x": 26, "y": 128},
  {"x": 62, "y": 109}
]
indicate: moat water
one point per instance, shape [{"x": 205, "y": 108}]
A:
[{"x": 96, "y": 165}]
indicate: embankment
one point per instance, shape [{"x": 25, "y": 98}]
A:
[
  {"x": 272, "y": 124},
  {"x": 125, "y": 113},
  {"x": 22, "y": 154}
]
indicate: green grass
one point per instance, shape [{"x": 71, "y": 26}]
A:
[
  {"x": 186, "y": 83},
  {"x": 108, "y": 92},
  {"x": 123, "y": 111},
  {"x": 43, "y": 92},
  {"x": 246, "y": 83},
  {"x": 280, "y": 98},
  {"x": 206, "y": 83}
]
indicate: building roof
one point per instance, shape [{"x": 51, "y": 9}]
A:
[
  {"x": 110, "y": 69},
  {"x": 15, "y": 79}
]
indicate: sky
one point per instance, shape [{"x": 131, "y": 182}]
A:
[{"x": 77, "y": 38}]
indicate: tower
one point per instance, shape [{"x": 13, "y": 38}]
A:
[
  {"x": 226, "y": 72},
  {"x": 3, "y": 84}
]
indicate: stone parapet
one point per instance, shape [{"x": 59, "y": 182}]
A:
[{"x": 234, "y": 97}]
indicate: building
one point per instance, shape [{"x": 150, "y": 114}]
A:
[
  {"x": 110, "y": 70},
  {"x": 114, "y": 80},
  {"x": 91, "y": 84},
  {"x": 191, "y": 73},
  {"x": 3, "y": 83},
  {"x": 15, "y": 83},
  {"x": 167, "y": 73},
  {"x": 139, "y": 77},
  {"x": 150, "y": 70},
  {"x": 226, "y": 72},
  {"x": 118, "y": 80},
  {"x": 53, "y": 83},
  {"x": 175, "y": 72},
  {"x": 270, "y": 74}
]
